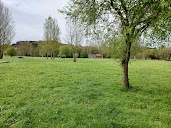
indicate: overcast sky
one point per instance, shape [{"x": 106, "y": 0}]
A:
[{"x": 30, "y": 15}]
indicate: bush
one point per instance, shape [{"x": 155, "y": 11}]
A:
[
  {"x": 5, "y": 53},
  {"x": 65, "y": 51},
  {"x": 151, "y": 54},
  {"x": 165, "y": 54},
  {"x": 11, "y": 51},
  {"x": 154, "y": 57}
]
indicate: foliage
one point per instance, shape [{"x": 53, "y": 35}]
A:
[
  {"x": 56, "y": 52},
  {"x": 104, "y": 50},
  {"x": 117, "y": 47},
  {"x": 43, "y": 50},
  {"x": 94, "y": 50},
  {"x": 65, "y": 51},
  {"x": 60, "y": 93},
  {"x": 23, "y": 49},
  {"x": 165, "y": 54},
  {"x": 78, "y": 49},
  {"x": 153, "y": 53},
  {"x": 11, "y": 51},
  {"x": 84, "y": 52}
]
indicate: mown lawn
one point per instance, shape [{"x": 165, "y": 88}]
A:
[{"x": 41, "y": 93}]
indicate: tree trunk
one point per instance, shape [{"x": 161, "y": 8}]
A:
[
  {"x": 1, "y": 53},
  {"x": 74, "y": 54},
  {"x": 124, "y": 64},
  {"x": 1, "y": 56},
  {"x": 125, "y": 75},
  {"x": 47, "y": 55},
  {"x": 51, "y": 55},
  {"x": 74, "y": 57}
]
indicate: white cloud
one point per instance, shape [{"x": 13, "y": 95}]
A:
[{"x": 29, "y": 16}]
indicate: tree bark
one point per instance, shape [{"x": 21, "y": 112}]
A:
[
  {"x": 74, "y": 54},
  {"x": 124, "y": 64},
  {"x": 51, "y": 55},
  {"x": 125, "y": 75},
  {"x": 1, "y": 56},
  {"x": 1, "y": 53},
  {"x": 74, "y": 57},
  {"x": 47, "y": 55}
]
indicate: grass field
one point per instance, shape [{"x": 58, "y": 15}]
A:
[{"x": 41, "y": 93}]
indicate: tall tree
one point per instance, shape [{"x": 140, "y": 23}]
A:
[
  {"x": 51, "y": 35},
  {"x": 6, "y": 27},
  {"x": 74, "y": 37},
  {"x": 129, "y": 18}
]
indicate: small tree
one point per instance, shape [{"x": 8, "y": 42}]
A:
[
  {"x": 11, "y": 51},
  {"x": 6, "y": 27},
  {"x": 74, "y": 37},
  {"x": 51, "y": 35}
]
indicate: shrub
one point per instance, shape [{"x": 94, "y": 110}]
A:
[
  {"x": 165, "y": 54},
  {"x": 154, "y": 57},
  {"x": 66, "y": 51},
  {"x": 151, "y": 54},
  {"x": 11, "y": 51}
]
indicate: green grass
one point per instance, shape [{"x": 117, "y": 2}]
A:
[{"x": 41, "y": 93}]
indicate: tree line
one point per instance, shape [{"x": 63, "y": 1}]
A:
[{"x": 40, "y": 49}]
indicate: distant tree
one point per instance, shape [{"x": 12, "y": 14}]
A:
[
  {"x": 84, "y": 52},
  {"x": 129, "y": 18},
  {"x": 6, "y": 27},
  {"x": 51, "y": 35},
  {"x": 23, "y": 49},
  {"x": 79, "y": 49},
  {"x": 74, "y": 37},
  {"x": 94, "y": 50},
  {"x": 65, "y": 51},
  {"x": 165, "y": 54},
  {"x": 34, "y": 49},
  {"x": 104, "y": 50},
  {"x": 11, "y": 51},
  {"x": 43, "y": 49}
]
